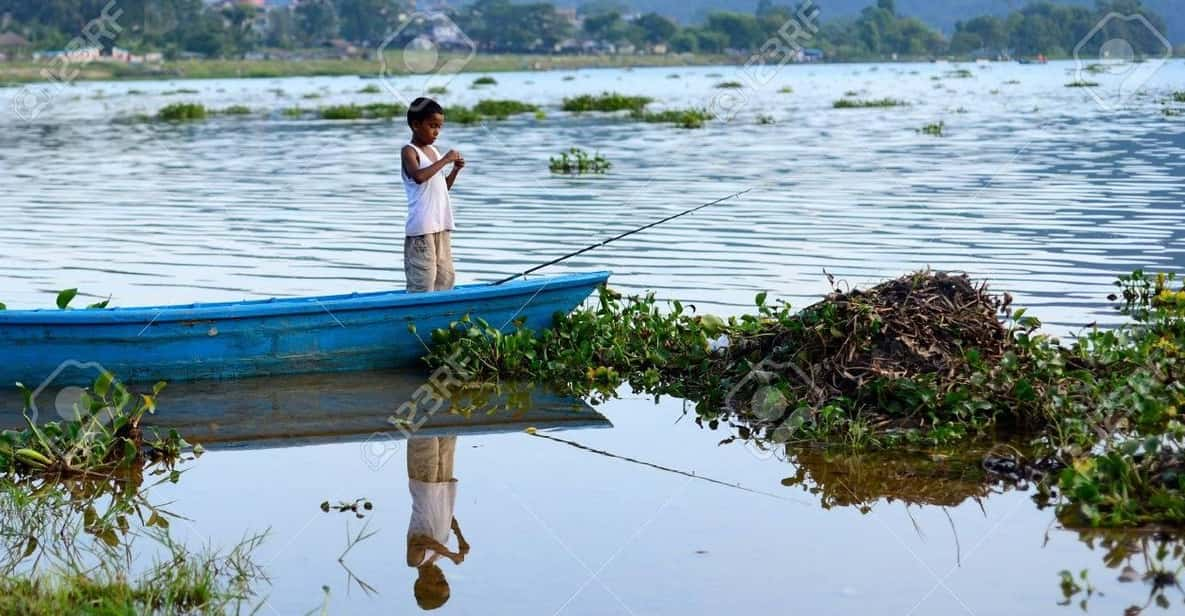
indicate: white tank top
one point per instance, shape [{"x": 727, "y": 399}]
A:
[{"x": 429, "y": 209}]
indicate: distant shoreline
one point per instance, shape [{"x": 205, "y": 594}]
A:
[{"x": 29, "y": 72}]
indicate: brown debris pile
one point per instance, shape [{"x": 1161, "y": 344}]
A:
[{"x": 919, "y": 324}]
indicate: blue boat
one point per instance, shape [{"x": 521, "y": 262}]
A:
[{"x": 333, "y": 333}]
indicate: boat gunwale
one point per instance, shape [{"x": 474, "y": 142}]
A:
[{"x": 295, "y": 306}]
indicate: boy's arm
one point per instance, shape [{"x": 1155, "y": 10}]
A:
[
  {"x": 452, "y": 175},
  {"x": 411, "y": 164}
]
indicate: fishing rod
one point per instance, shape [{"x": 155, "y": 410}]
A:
[{"x": 614, "y": 239}]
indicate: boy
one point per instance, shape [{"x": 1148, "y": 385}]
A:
[{"x": 427, "y": 247}]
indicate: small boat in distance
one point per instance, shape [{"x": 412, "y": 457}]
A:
[{"x": 332, "y": 333}]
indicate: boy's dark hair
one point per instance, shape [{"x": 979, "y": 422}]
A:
[{"x": 421, "y": 109}]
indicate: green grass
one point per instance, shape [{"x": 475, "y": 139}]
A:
[
  {"x": 849, "y": 103},
  {"x": 606, "y": 101},
  {"x": 485, "y": 80},
  {"x": 181, "y": 112},
  {"x": 370, "y": 89},
  {"x": 235, "y": 110},
  {"x": 1081, "y": 83}
]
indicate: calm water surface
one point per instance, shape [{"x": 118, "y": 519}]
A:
[{"x": 1034, "y": 187}]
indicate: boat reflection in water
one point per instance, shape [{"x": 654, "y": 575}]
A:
[{"x": 385, "y": 410}]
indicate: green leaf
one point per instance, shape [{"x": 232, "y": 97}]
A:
[
  {"x": 65, "y": 297},
  {"x": 761, "y": 298},
  {"x": 99, "y": 305},
  {"x": 3, "y": 307},
  {"x": 103, "y": 383}
]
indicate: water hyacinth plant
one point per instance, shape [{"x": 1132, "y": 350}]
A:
[
  {"x": 849, "y": 103},
  {"x": 606, "y": 101},
  {"x": 683, "y": 118},
  {"x": 576, "y": 161},
  {"x": 179, "y": 112}
]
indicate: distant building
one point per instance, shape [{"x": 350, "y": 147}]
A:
[
  {"x": 11, "y": 44},
  {"x": 82, "y": 54},
  {"x": 812, "y": 55}
]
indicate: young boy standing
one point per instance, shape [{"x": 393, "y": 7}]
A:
[{"x": 427, "y": 247}]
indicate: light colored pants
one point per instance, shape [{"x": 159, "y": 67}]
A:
[
  {"x": 428, "y": 262},
  {"x": 430, "y": 459}
]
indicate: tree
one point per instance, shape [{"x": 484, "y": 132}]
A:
[
  {"x": 317, "y": 20},
  {"x": 655, "y": 28}
]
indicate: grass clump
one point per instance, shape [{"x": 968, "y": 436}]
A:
[
  {"x": 729, "y": 85},
  {"x": 765, "y": 119},
  {"x": 606, "y": 101},
  {"x": 484, "y": 80},
  {"x": 934, "y": 128},
  {"x": 576, "y": 161},
  {"x": 370, "y": 89},
  {"x": 235, "y": 110},
  {"x": 1178, "y": 97},
  {"x": 179, "y": 112},
  {"x": 1082, "y": 83},
  {"x": 960, "y": 73},
  {"x": 785, "y": 90},
  {"x": 683, "y": 118},
  {"x": 851, "y": 103}
]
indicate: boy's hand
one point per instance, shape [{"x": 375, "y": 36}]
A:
[
  {"x": 452, "y": 156},
  {"x": 459, "y": 162}
]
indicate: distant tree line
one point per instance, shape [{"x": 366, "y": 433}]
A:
[{"x": 229, "y": 29}]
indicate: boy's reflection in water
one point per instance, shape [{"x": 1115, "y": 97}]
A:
[{"x": 433, "y": 495}]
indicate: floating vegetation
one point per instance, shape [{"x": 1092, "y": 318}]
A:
[
  {"x": 1082, "y": 84},
  {"x": 182, "y": 112},
  {"x": 785, "y": 90},
  {"x": 311, "y": 95},
  {"x": 607, "y": 101},
  {"x": 729, "y": 85},
  {"x": 848, "y": 103},
  {"x": 1095, "y": 69},
  {"x": 235, "y": 110},
  {"x": 362, "y": 112},
  {"x": 674, "y": 76},
  {"x": 370, "y": 89},
  {"x": 292, "y": 112},
  {"x": 851, "y": 93},
  {"x": 484, "y": 80},
  {"x": 501, "y": 109},
  {"x": 569, "y": 78},
  {"x": 104, "y": 439},
  {"x": 437, "y": 90},
  {"x": 765, "y": 119},
  {"x": 926, "y": 359},
  {"x": 934, "y": 128},
  {"x": 179, "y": 91},
  {"x": 960, "y": 73},
  {"x": 576, "y": 162},
  {"x": 1012, "y": 82},
  {"x": 135, "y": 92},
  {"x": 684, "y": 118},
  {"x": 1178, "y": 97}
]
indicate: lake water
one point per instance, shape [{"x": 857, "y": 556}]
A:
[{"x": 1035, "y": 187}]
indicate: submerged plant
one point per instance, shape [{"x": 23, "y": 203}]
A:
[
  {"x": 182, "y": 112},
  {"x": 934, "y": 128}
]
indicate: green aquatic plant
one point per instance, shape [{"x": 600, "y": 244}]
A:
[
  {"x": 235, "y": 110},
  {"x": 577, "y": 161},
  {"x": 606, "y": 101},
  {"x": 484, "y": 80},
  {"x": 437, "y": 90},
  {"x": 848, "y": 103},
  {"x": 370, "y": 88},
  {"x": 1081, "y": 83},
  {"x": 104, "y": 437},
  {"x": 960, "y": 73},
  {"x": 729, "y": 85},
  {"x": 684, "y": 118},
  {"x": 933, "y": 128},
  {"x": 785, "y": 90},
  {"x": 765, "y": 119},
  {"x": 179, "y": 91},
  {"x": 361, "y": 112},
  {"x": 501, "y": 109},
  {"x": 178, "y": 112}
]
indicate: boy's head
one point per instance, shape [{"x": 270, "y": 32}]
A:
[
  {"x": 425, "y": 117},
  {"x": 431, "y": 589}
]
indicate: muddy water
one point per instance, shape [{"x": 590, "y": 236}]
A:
[{"x": 1034, "y": 186}]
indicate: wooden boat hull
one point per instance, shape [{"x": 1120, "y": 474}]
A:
[{"x": 360, "y": 331}]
